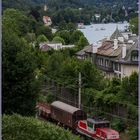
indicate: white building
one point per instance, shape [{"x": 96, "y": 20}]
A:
[
  {"x": 47, "y": 20},
  {"x": 56, "y": 46}
]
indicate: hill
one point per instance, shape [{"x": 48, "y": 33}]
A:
[{"x": 24, "y": 4}]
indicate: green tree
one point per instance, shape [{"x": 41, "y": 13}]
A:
[
  {"x": 134, "y": 25},
  {"x": 82, "y": 42},
  {"x": 58, "y": 39},
  {"x": 30, "y": 37},
  {"x": 91, "y": 76},
  {"x": 133, "y": 79},
  {"x": 34, "y": 11},
  {"x": 121, "y": 14},
  {"x": 45, "y": 30},
  {"x": 42, "y": 38},
  {"x": 62, "y": 25},
  {"x": 118, "y": 125},
  {"x": 16, "y": 21},
  {"x": 71, "y": 27},
  {"x": 76, "y": 36},
  {"x": 133, "y": 133},
  {"x": 50, "y": 98},
  {"x": 129, "y": 88},
  {"x": 19, "y": 85},
  {"x": 27, "y": 128},
  {"x": 65, "y": 35}
]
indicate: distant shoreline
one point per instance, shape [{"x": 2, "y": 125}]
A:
[{"x": 94, "y": 33}]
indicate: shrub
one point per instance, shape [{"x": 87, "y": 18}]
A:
[
  {"x": 118, "y": 125},
  {"x": 16, "y": 127}
]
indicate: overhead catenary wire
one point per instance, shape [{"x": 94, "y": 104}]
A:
[
  {"x": 75, "y": 88},
  {"x": 82, "y": 85},
  {"x": 100, "y": 111}
]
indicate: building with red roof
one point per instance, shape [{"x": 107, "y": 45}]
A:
[{"x": 47, "y": 20}]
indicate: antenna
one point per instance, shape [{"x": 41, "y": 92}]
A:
[{"x": 79, "y": 95}]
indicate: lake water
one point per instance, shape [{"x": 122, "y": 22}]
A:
[{"x": 94, "y": 33}]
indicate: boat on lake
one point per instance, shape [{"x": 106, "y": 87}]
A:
[{"x": 102, "y": 28}]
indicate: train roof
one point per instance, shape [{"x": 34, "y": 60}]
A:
[
  {"x": 97, "y": 121},
  {"x": 65, "y": 107}
]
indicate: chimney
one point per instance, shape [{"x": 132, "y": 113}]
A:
[
  {"x": 121, "y": 39},
  {"x": 99, "y": 44},
  {"x": 94, "y": 48},
  {"x": 115, "y": 44},
  {"x": 126, "y": 36},
  {"x": 123, "y": 51},
  {"x": 130, "y": 41}
]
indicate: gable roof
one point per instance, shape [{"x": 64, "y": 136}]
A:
[
  {"x": 107, "y": 49},
  {"x": 46, "y": 18},
  {"x": 84, "y": 50},
  {"x": 44, "y": 47},
  {"x": 130, "y": 48}
]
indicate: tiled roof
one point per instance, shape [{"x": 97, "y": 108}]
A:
[
  {"x": 106, "y": 49},
  {"x": 86, "y": 49},
  {"x": 46, "y": 18},
  {"x": 44, "y": 47},
  {"x": 89, "y": 49}
]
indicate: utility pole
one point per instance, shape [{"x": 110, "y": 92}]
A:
[
  {"x": 139, "y": 79},
  {"x": 79, "y": 95},
  {"x": 1, "y": 73}
]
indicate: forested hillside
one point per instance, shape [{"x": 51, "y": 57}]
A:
[
  {"x": 72, "y": 3},
  {"x": 77, "y": 11}
]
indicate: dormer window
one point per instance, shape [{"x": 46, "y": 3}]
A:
[
  {"x": 134, "y": 58},
  {"x": 134, "y": 55}
]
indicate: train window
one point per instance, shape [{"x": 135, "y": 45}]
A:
[
  {"x": 102, "y": 125},
  {"x": 90, "y": 124}
]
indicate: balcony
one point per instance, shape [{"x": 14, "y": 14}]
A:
[{"x": 107, "y": 69}]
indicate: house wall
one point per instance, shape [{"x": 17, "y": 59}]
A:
[
  {"x": 124, "y": 70},
  {"x": 104, "y": 63},
  {"x": 127, "y": 70},
  {"x": 55, "y": 46},
  {"x": 47, "y": 22}
]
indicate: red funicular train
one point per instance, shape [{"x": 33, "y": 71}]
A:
[{"x": 76, "y": 119}]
